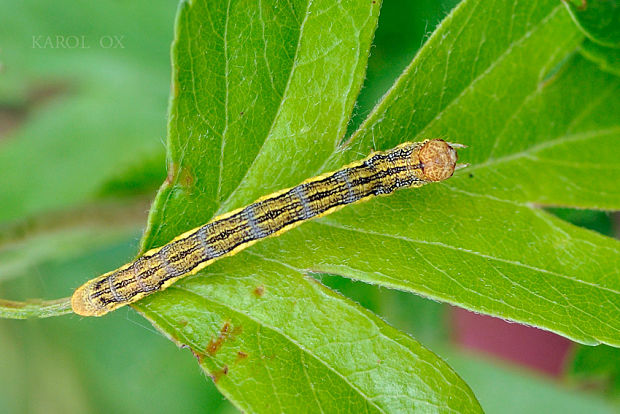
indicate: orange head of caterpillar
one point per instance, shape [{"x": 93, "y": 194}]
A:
[{"x": 437, "y": 160}]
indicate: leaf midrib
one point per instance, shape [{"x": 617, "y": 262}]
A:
[
  {"x": 226, "y": 104},
  {"x": 546, "y": 145},
  {"x": 326, "y": 222},
  {"x": 225, "y": 204},
  {"x": 585, "y": 337}
]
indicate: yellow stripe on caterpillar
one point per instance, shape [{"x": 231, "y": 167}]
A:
[{"x": 407, "y": 165}]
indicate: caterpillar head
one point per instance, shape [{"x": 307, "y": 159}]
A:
[{"x": 437, "y": 160}]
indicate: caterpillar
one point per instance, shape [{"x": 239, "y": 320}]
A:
[{"x": 411, "y": 164}]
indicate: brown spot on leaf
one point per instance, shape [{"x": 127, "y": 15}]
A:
[
  {"x": 583, "y": 6},
  {"x": 226, "y": 333},
  {"x": 178, "y": 175},
  {"x": 186, "y": 178},
  {"x": 241, "y": 355},
  {"x": 216, "y": 343},
  {"x": 259, "y": 291},
  {"x": 199, "y": 355},
  {"x": 10, "y": 118},
  {"x": 217, "y": 374}
]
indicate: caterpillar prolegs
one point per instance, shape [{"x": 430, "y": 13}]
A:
[{"x": 411, "y": 164}]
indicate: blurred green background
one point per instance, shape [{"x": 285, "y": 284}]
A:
[{"x": 83, "y": 94}]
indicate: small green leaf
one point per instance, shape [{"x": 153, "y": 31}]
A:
[
  {"x": 143, "y": 177},
  {"x": 607, "y": 58},
  {"x": 598, "y": 19},
  {"x": 599, "y": 221}
]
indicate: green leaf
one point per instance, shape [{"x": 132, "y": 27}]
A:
[
  {"x": 478, "y": 241},
  {"x": 607, "y": 58},
  {"x": 248, "y": 118},
  {"x": 598, "y": 19},
  {"x": 261, "y": 97},
  {"x": 256, "y": 90},
  {"x": 294, "y": 340},
  {"x": 599, "y": 221},
  {"x": 599, "y": 367}
]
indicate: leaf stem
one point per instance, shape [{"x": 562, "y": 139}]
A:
[{"x": 34, "y": 308}]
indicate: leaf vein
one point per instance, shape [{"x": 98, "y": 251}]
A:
[{"x": 472, "y": 252}]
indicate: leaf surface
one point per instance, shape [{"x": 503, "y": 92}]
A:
[
  {"x": 598, "y": 19},
  {"x": 275, "y": 340},
  {"x": 478, "y": 240},
  {"x": 502, "y": 78},
  {"x": 262, "y": 97},
  {"x": 607, "y": 58}
]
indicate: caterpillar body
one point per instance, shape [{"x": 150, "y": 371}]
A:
[{"x": 411, "y": 164}]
